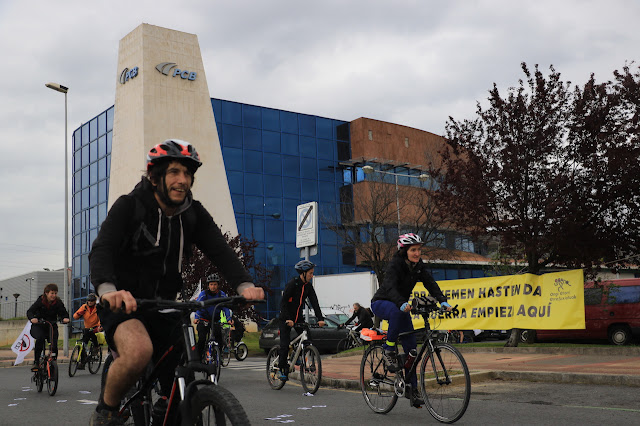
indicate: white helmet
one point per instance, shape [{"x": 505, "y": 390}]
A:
[{"x": 410, "y": 239}]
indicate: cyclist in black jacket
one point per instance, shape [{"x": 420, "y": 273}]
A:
[
  {"x": 295, "y": 293},
  {"x": 49, "y": 307},
  {"x": 391, "y": 300},
  {"x": 138, "y": 253},
  {"x": 363, "y": 315}
]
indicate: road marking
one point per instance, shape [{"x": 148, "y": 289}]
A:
[
  {"x": 87, "y": 401},
  {"x": 633, "y": 410}
]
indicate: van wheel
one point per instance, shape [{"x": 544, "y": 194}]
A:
[{"x": 620, "y": 335}]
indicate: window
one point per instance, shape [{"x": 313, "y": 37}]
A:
[
  {"x": 629, "y": 294},
  {"x": 252, "y": 139},
  {"x": 592, "y": 296},
  {"x": 271, "y": 141},
  {"x": 406, "y": 142},
  {"x": 307, "y": 125},
  {"x": 272, "y": 164},
  {"x": 370, "y": 135}
]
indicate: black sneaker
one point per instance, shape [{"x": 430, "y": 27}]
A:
[
  {"x": 415, "y": 397},
  {"x": 391, "y": 360},
  {"x": 106, "y": 418}
]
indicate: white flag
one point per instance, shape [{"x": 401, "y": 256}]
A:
[
  {"x": 197, "y": 292},
  {"x": 23, "y": 344}
]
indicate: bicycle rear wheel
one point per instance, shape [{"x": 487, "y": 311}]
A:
[
  {"x": 376, "y": 382},
  {"x": 343, "y": 345},
  {"x": 445, "y": 383},
  {"x": 52, "y": 377},
  {"x": 241, "y": 351},
  {"x": 311, "y": 369},
  {"x": 273, "y": 360},
  {"x": 214, "y": 405},
  {"x": 73, "y": 360},
  {"x": 94, "y": 358}
]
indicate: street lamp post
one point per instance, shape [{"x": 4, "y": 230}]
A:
[
  {"x": 30, "y": 286},
  {"x": 369, "y": 170},
  {"x": 62, "y": 89}
]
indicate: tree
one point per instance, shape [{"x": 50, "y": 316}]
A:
[
  {"x": 545, "y": 171},
  {"x": 198, "y": 267}
]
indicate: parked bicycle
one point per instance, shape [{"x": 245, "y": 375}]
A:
[
  {"x": 86, "y": 355},
  {"x": 303, "y": 354},
  {"x": 47, "y": 365},
  {"x": 193, "y": 402},
  {"x": 444, "y": 380},
  {"x": 352, "y": 340}
]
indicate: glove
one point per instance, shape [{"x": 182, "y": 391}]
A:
[
  {"x": 404, "y": 306},
  {"x": 445, "y": 305}
]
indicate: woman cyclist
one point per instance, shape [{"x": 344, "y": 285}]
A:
[{"x": 391, "y": 301}]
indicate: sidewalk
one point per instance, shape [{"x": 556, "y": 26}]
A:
[
  {"x": 602, "y": 366},
  {"x": 618, "y": 366}
]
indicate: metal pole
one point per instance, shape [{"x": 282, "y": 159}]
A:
[
  {"x": 66, "y": 228},
  {"x": 397, "y": 203}
]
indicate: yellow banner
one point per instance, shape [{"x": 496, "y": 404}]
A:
[{"x": 544, "y": 302}]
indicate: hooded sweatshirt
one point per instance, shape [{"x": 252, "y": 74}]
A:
[{"x": 140, "y": 249}]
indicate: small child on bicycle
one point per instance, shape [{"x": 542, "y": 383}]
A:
[
  {"x": 50, "y": 308},
  {"x": 293, "y": 298},
  {"x": 89, "y": 312}
]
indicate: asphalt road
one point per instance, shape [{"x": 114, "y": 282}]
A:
[{"x": 496, "y": 402}]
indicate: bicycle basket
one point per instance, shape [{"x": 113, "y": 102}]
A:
[
  {"x": 101, "y": 339},
  {"x": 372, "y": 334}
]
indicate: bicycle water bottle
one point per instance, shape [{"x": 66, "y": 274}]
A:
[{"x": 410, "y": 357}]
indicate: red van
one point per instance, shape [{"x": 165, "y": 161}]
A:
[{"x": 612, "y": 311}]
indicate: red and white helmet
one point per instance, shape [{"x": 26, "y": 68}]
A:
[
  {"x": 174, "y": 149},
  {"x": 410, "y": 239}
]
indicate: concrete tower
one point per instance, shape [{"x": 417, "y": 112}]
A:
[{"x": 162, "y": 93}]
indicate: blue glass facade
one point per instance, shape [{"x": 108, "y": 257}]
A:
[{"x": 275, "y": 160}]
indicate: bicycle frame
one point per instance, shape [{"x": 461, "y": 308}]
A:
[{"x": 298, "y": 345}]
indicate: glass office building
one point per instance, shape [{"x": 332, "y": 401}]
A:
[{"x": 274, "y": 160}]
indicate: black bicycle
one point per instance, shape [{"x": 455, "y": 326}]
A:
[
  {"x": 444, "y": 379},
  {"x": 88, "y": 354},
  {"x": 47, "y": 365},
  {"x": 192, "y": 401}
]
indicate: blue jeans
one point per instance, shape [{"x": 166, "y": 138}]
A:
[{"x": 399, "y": 322}]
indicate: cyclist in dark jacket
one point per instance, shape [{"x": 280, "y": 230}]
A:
[
  {"x": 391, "y": 301},
  {"x": 138, "y": 253},
  {"x": 48, "y": 307},
  {"x": 363, "y": 315},
  {"x": 295, "y": 293}
]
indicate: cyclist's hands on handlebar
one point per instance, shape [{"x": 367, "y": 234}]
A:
[
  {"x": 256, "y": 293},
  {"x": 116, "y": 299},
  {"x": 321, "y": 323}
]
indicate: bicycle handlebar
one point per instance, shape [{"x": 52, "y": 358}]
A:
[{"x": 188, "y": 305}]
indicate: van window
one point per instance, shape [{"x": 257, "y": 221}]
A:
[
  {"x": 630, "y": 294},
  {"x": 592, "y": 296}
]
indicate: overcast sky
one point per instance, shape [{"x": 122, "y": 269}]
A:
[{"x": 408, "y": 62}]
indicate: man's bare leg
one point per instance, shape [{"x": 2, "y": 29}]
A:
[{"x": 134, "y": 352}]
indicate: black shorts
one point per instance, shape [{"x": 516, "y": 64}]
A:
[{"x": 164, "y": 329}]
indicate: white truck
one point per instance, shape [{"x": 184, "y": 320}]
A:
[{"x": 341, "y": 291}]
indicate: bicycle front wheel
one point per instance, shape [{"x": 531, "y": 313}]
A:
[
  {"x": 376, "y": 382},
  {"x": 214, "y": 405},
  {"x": 212, "y": 357},
  {"x": 73, "y": 361},
  {"x": 311, "y": 369},
  {"x": 52, "y": 377},
  {"x": 445, "y": 383},
  {"x": 94, "y": 358},
  {"x": 343, "y": 345},
  {"x": 226, "y": 349},
  {"x": 273, "y": 360},
  {"x": 40, "y": 375}
]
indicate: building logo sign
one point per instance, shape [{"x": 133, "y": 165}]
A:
[
  {"x": 127, "y": 74},
  {"x": 167, "y": 68}
]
